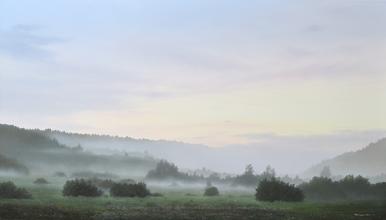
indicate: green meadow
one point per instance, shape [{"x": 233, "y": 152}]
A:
[{"x": 47, "y": 202}]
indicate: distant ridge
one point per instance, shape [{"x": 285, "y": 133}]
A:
[
  {"x": 370, "y": 160},
  {"x": 40, "y": 152}
]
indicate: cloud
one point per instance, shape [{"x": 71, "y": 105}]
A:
[{"x": 24, "y": 42}]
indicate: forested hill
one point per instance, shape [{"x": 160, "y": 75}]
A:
[
  {"x": 370, "y": 160},
  {"x": 174, "y": 151},
  {"x": 41, "y": 153},
  {"x": 101, "y": 143}
]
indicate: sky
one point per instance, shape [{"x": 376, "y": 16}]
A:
[{"x": 220, "y": 73}]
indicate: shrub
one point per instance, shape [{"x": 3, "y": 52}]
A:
[
  {"x": 349, "y": 188},
  {"x": 41, "y": 181},
  {"x": 129, "y": 190},
  {"x": 102, "y": 183},
  {"x": 355, "y": 187},
  {"x": 9, "y": 190},
  {"x": 211, "y": 191},
  {"x": 379, "y": 189},
  {"x": 276, "y": 190},
  {"x": 322, "y": 188},
  {"x": 80, "y": 187}
]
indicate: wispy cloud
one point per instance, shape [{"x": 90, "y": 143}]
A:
[{"x": 24, "y": 42}]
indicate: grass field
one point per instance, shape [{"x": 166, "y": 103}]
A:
[{"x": 179, "y": 203}]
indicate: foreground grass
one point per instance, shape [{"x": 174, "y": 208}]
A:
[{"x": 48, "y": 203}]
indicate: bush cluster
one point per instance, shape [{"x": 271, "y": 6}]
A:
[
  {"x": 41, "y": 181},
  {"x": 348, "y": 188},
  {"x": 211, "y": 191},
  {"x": 81, "y": 187},
  {"x": 8, "y": 190},
  {"x": 104, "y": 184},
  {"x": 276, "y": 190},
  {"x": 129, "y": 190}
]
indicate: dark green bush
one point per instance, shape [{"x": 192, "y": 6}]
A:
[
  {"x": 211, "y": 191},
  {"x": 9, "y": 190},
  {"x": 81, "y": 187},
  {"x": 129, "y": 190},
  {"x": 102, "y": 183},
  {"x": 322, "y": 188},
  {"x": 276, "y": 190},
  {"x": 349, "y": 188},
  {"x": 355, "y": 186},
  {"x": 41, "y": 181},
  {"x": 379, "y": 189}
]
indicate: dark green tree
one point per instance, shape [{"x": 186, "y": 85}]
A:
[
  {"x": 164, "y": 170},
  {"x": 276, "y": 190}
]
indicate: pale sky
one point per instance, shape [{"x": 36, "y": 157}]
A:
[{"x": 212, "y": 72}]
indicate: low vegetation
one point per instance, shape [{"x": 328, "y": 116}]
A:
[
  {"x": 276, "y": 190},
  {"x": 9, "y": 190},
  {"x": 211, "y": 191},
  {"x": 104, "y": 184},
  {"x": 129, "y": 190},
  {"x": 41, "y": 181},
  {"x": 81, "y": 187},
  {"x": 349, "y": 188}
]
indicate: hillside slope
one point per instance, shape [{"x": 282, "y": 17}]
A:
[
  {"x": 170, "y": 150},
  {"x": 41, "y": 153},
  {"x": 370, "y": 160}
]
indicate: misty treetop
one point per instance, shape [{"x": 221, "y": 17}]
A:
[
  {"x": 169, "y": 171},
  {"x": 164, "y": 170}
]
